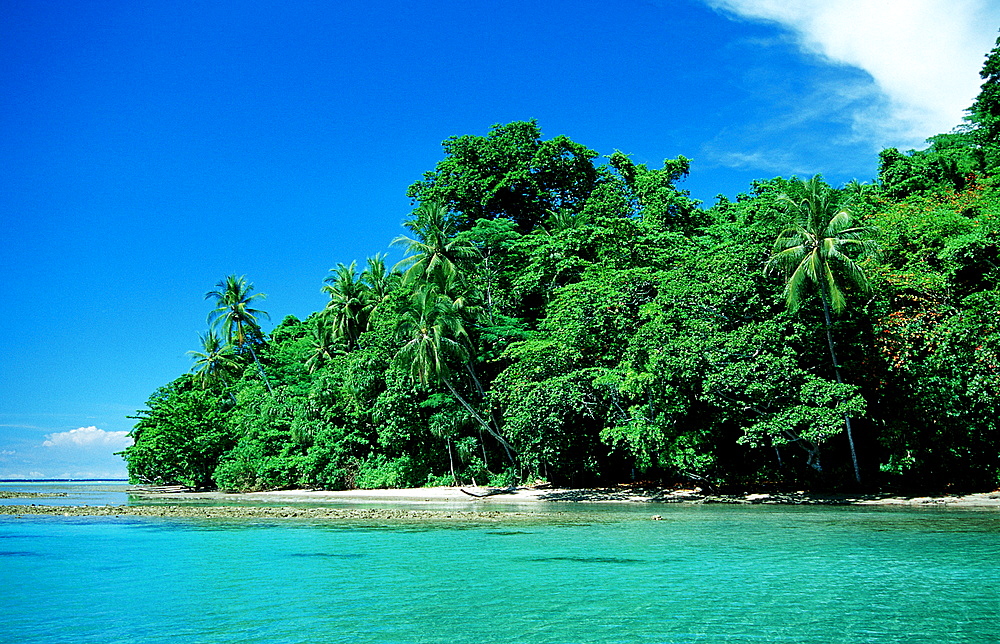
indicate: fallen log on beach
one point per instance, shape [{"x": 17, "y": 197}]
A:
[{"x": 508, "y": 490}]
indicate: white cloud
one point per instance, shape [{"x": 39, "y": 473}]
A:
[
  {"x": 88, "y": 437},
  {"x": 923, "y": 56},
  {"x": 768, "y": 161}
]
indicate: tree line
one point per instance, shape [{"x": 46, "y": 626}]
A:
[{"x": 560, "y": 318}]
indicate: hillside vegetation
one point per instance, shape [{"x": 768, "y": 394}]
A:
[{"x": 561, "y": 318}]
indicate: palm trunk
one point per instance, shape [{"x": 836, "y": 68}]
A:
[
  {"x": 475, "y": 380},
  {"x": 489, "y": 289},
  {"x": 482, "y": 446},
  {"x": 836, "y": 371},
  {"x": 451, "y": 463},
  {"x": 260, "y": 369}
]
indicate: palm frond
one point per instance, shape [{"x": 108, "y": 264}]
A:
[
  {"x": 795, "y": 287},
  {"x": 826, "y": 235},
  {"x": 837, "y": 299},
  {"x": 786, "y": 260}
]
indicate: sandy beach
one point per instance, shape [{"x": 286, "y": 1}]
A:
[
  {"x": 449, "y": 504},
  {"x": 545, "y": 495}
]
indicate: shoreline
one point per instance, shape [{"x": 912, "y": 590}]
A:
[
  {"x": 450, "y": 504},
  {"x": 544, "y": 496}
]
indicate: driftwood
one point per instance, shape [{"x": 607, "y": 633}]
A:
[{"x": 509, "y": 490}]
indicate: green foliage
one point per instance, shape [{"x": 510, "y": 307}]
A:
[
  {"x": 949, "y": 163},
  {"x": 510, "y": 174},
  {"x": 379, "y": 471},
  {"x": 823, "y": 249},
  {"x": 181, "y": 435},
  {"x": 436, "y": 256},
  {"x": 239, "y": 321},
  {"x": 216, "y": 364},
  {"x": 660, "y": 203},
  {"x": 985, "y": 113}
]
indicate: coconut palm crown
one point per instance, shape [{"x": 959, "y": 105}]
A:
[
  {"x": 432, "y": 331},
  {"x": 349, "y": 306},
  {"x": 233, "y": 297},
  {"x": 215, "y": 364},
  {"x": 436, "y": 254},
  {"x": 822, "y": 249},
  {"x": 233, "y": 311}
]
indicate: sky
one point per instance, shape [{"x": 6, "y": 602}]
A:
[{"x": 149, "y": 149}]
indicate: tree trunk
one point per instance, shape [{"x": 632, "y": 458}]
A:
[
  {"x": 489, "y": 289},
  {"x": 260, "y": 369},
  {"x": 485, "y": 424},
  {"x": 451, "y": 462},
  {"x": 836, "y": 371},
  {"x": 482, "y": 446}
]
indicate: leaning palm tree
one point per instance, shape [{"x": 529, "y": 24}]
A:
[
  {"x": 435, "y": 254},
  {"x": 822, "y": 251},
  {"x": 215, "y": 363},
  {"x": 433, "y": 335},
  {"x": 233, "y": 312}
]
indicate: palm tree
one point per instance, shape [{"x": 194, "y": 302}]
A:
[
  {"x": 858, "y": 191},
  {"x": 435, "y": 255},
  {"x": 322, "y": 346},
  {"x": 349, "y": 304},
  {"x": 380, "y": 281},
  {"x": 215, "y": 363},
  {"x": 236, "y": 317},
  {"x": 446, "y": 425},
  {"x": 821, "y": 251},
  {"x": 559, "y": 221},
  {"x": 432, "y": 333}
]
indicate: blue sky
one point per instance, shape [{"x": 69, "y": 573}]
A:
[{"x": 151, "y": 148}]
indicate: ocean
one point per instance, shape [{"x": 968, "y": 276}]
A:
[{"x": 591, "y": 573}]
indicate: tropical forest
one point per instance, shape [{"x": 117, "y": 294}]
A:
[{"x": 579, "y": 320}]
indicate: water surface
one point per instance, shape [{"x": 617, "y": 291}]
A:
[
  {"x": 66, "y": 492},
  {"x": 701, "y": 574}
]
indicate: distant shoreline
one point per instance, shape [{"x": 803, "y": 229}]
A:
[{"x": 63, "y": 480}]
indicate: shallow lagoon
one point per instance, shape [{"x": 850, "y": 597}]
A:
[{"x": 588, "y": 574}]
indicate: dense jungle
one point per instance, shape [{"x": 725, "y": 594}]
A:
[{"x": 562, "y": 317}]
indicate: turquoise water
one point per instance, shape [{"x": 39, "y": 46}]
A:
[
  {"x": 702, "y": 574},
  {"x": 71, "y": 493}
]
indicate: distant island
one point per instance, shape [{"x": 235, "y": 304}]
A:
[{"x": 582, "y": 321}]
